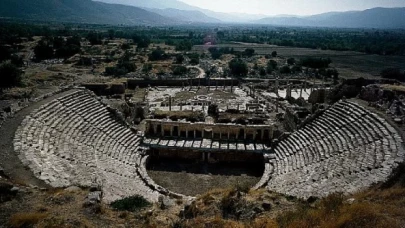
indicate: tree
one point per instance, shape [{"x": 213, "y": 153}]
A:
[
  {"x": 238, "y": 67},
  {"x": 271, "y": 66},
  {"x": 94, "y": 38},
  {"x": 74, "y": 40},
  {"x": 262, "y": 71},
  {"x": 10, "y": 75},
  {"x": 125, "y": 46},
  {"x": 213, "y": 110},
  {"x": 43, "y": 50},
  {"x": 249, "y": 52},
  {"x": 157, "y": 55},
  {"x": 285, "y": 70},
  {"x": 179, "y": 59},
  {"x": 316, "y": 62},
  {"x": 111, "y": 34},
  {"x": 179, "y": 70},
  {"x": 67, "y": 51},
  {"x": 194, "y": 59},
  {"x": 215, "y": 52},
  {"x": 291, "y": 61},
  {"x": 296, "y": 69},
  {"x": 184, "y": 45},
  {"x": 5, "y": 53},
  {"x": 274, "y": 54},
  {"x": 147, "y": 67},
  {"x": 393, "y": 73},
  {"x": 141, "y": 41}
]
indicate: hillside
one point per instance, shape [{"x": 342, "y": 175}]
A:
[
  {"x": 371, "y": 18},
  {"x": 175, "y": 4},
  {"x": 185, "y": 15},
  {"x": 154, "y": 4},
  {"x": 80, "y": 11}
]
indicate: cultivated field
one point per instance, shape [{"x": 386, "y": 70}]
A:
[{"x": 350, "y": 64}]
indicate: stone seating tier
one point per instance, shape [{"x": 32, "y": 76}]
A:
[
  {"x": 346, "y": 149},
  {"x": 75, "y": 140}
]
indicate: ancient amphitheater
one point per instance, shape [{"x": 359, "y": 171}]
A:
[{"x": 78, "y": 140}]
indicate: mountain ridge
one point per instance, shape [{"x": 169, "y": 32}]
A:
[
  {"x": 80, "y": 11},
  {"x": 370, "y": 18}
]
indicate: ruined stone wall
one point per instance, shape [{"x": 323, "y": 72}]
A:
[
  {"x": 317, "y": 96},
  {"x": 211, "y": 156},
  {"x": 103, "y": 89},
  {"x": 290, "y": 120},
  {"x": 177, "y": 154},
  {"x": 373, "y": 93},
  {"x": 160, "y": 128},
  {"x": 133, "y": 83}
]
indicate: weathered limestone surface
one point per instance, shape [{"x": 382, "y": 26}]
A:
[
  {"x": 75, "y": 140},
  {"x": 344, "y": 150}
]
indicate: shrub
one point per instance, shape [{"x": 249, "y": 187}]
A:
[{"x": 132, "y": 203}]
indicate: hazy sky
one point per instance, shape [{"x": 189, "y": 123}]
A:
[{"x": 295, "y": 7}]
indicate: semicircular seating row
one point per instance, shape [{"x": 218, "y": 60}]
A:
[
  {"x": 346, "y": 149},
  {"x": 75, "y": 140}
]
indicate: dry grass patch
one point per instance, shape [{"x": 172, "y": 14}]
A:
[
  {"x": 26, "y": 219},
  {"x": 374, "y": 208}
]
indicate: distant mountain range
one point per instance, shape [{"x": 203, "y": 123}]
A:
[
  {"x": 371, "y": 18},
  {"x": 80, "y": 11},
  {"x": 172, "y": 12},
  {"x": 190, "y": 16},
  {"x": 179, "y": 5}
]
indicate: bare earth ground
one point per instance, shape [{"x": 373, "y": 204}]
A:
[
  {"x": 350, "y": 64},
  {"x": 197, "y": 178}
]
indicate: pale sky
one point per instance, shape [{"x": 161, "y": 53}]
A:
[{"x": 292, "y": 7}]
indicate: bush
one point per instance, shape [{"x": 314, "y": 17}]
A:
[
  {"x": 132, "y": 203},
  {"x": 10, "y": 75}
]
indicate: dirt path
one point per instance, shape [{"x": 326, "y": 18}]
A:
[
  {"x": 202, "y": 72},
  {"x": 12, "y": 165}
]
